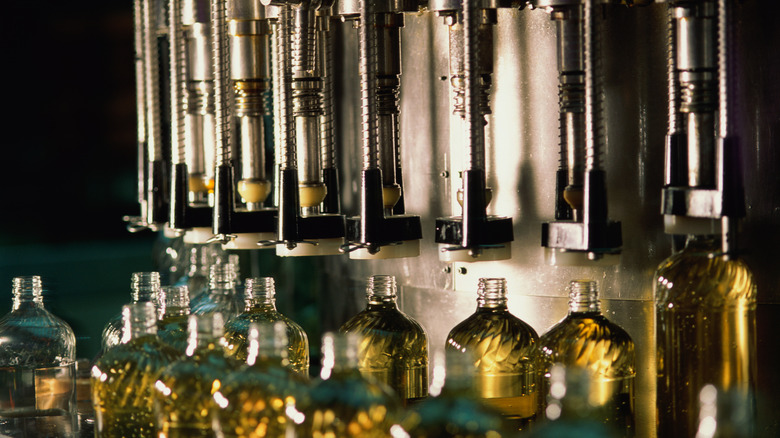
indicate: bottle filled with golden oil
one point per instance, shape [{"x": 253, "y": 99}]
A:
[
  {"x": 144, "y": 287},
  {"x": 123, "y": 379},
  {"x": 183, "y": 400},
  {"x": 174, "y": 302},
  {"x": 264, "y": 397},
  {"x": 343, "y": 403},
  {"x": 505, "y": 352},
  {"x": 394, "y": 347},
  {"x": 587, "y": 340},
  {"x": 705, "y": 331},
  {"x": 454, "y": 409},
  {"x": 260, "y": 298}
]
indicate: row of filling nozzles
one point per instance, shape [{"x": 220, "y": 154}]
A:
[{"x": 250, "y": 81}]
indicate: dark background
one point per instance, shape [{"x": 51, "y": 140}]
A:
[{"x": 69, "y": 158}]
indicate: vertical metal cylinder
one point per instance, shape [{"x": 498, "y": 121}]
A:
[
  {"x": 140, "y": 100},
  {"x": 152, "y": 81},
  {"x": 368, "y": 61},
  {"x": 177, "y": 82},
  {"x": 286, "y": 141},
  {"x": 474, "y": 122},
  {"x": 221, "y": 81},
  {"x": 327, "y": 122},
  {"x": 594, "y": 134}
]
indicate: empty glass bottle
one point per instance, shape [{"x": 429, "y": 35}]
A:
[
  {"x": 144, "y": 287},
  {"x": 123, "y": 379},
  {"x": 175, "y": 310},
  {"x": 394, "y": 347},
  {"x": 260, "y": 299},
  {"x": 212, "y": 255},
  {"x": 184, "y": 400},
  {"x": 263, "y": 397},
  {"x": 505, "y": 352},
  {"x": 198, "y": 261},
  {"x": 221, "y": 297},
  {"x": 37, "y": 367},
  {"x": 586, "y": 339},
  {"x": 342, "y": 402},
  {"x": 454, "y": 408},
  {"x": 705, "y": 304},
  {"x": 570, "y": 412}
]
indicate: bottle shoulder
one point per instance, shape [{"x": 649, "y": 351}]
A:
[
  {"x": 140, "y": 354},
  {"x": 593, "y": 342},
  {"x": 34, "y": 337},
  {"x": 493, "y": 324},
  {"x": 386, "y": 322},
  {"x": 695, "y": 280}
]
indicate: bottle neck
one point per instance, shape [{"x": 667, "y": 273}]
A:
[
  {"x": 584, "y": 297},
  {"x": 381, "y": 292},
  {"x": 175, "y": 301},
  {"x": 704, "y": 243},
  {"x": 139, "y": 319},
  {"x": 222, "y": 279},
  {"x": 145, "y": 287},
  {"x": 27, "y": 291},
  {"x": 491, "y": 293},
  {"x": 260, "y": 293},
  {"x": 339, "y": 354}
]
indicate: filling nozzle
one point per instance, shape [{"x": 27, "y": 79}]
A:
[
  {"x": 703, "y": 193},
  {"x": 382, "y": 230},
  {"x": 303, "y": 229},
  {"x": 582, "y": 232},
  {"x": 475, "y": 235},
  {"x": 152, "y": 166}
]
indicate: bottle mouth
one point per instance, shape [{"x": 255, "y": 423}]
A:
[
  {"x": 584, "y": 296},
  {"x": 381, "y": 288},
  {"x": 259, "y": 289},
  {"x": 491, "y": 292}
]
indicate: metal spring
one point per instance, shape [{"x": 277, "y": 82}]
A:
[
  {"x": 152, "y": 73},
  {"x": 287, "y": 156},
  {"x": 307, "y": 102},
  {"x": 368, "y": 62},
  {"x": 594, "y": 126},
  {"x": 475, "y": 141},
  {"x": 178, "y": 90},
  {"x": 304, "y": 43},
  {"x": 327, "y": 131},
  {"x": 673, "y": 84},
  {"x": 251, "y": 99},
  {"x": 221, "y": 103},
  {"x": 724, "y": 30},
  {"x": 200, "y": 97},
  {"x": 140, "y": 82}
]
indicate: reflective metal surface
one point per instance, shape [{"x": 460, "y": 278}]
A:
[{"x": 522, "y": 148}]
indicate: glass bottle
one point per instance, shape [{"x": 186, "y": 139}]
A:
[
  {"x": 37, "y": 367},
  {"x": 570, "y": 412},
  {"x": 185, "y": 389},
  {"x": 260, "y": 299},
  {"x": 454, "y": 408},
  {"x": 264, "y": 396},
  {"x": 394, "y": 347},
  {"x": 342, "y": 402},
  {"x": 144, "y": 287},
  {"x": 198, "y": 261},
  {"x": 123, "y": 379},
  {"x": 586, "y": 339},
  {"x": 175, "y": 310},
  {"x": 208, "y": 256},
  {"x": 222, "y": 297},
  {"x": 505, "y": 352},
  {"x": 705, "y": 331}
]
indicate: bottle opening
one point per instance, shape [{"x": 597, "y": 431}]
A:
[
  {"x": 491, "y": 292},
  {"x": 381, "y": 288},
  {"x": 584, "y": 296},
  {"x": 27, "y": 288},
  {"x": 260, "y": 289}
]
